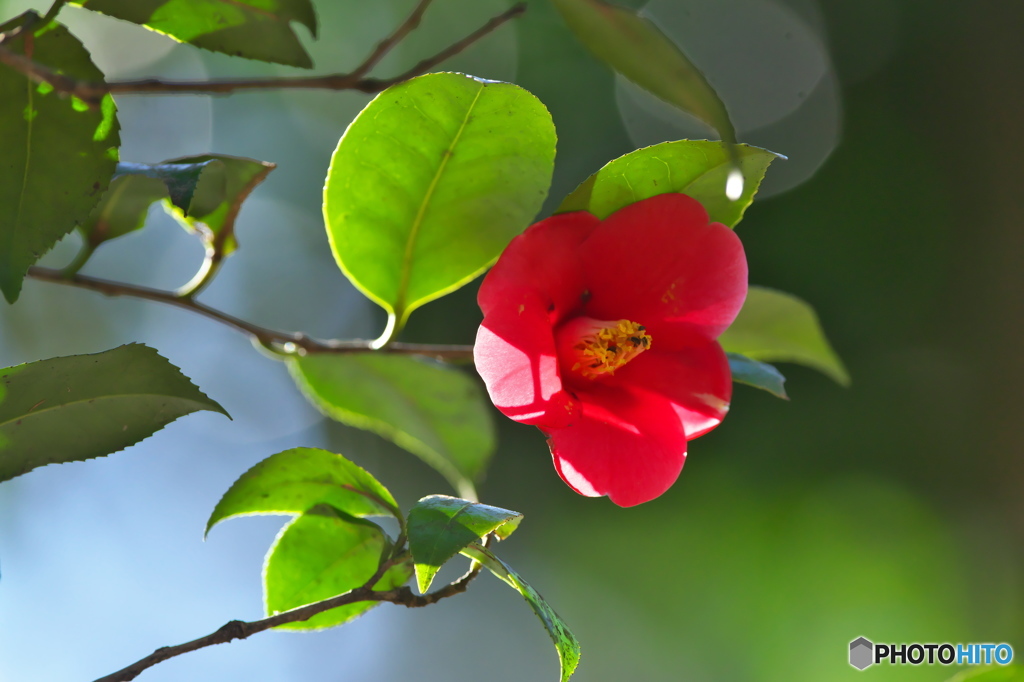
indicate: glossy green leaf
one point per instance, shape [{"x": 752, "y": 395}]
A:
[
  {"x": 296, "y": 480},
  {"x": 322, "y": 554},
  {"x": 83, "y": 406},
  {"x": 633, "y": 46},
  {"x": 565, "y": 642},
  {"x": 440, "y": 527},
  {"x": 430, "y": 183},
  {"x": 436, "y": 412},
  {"x": 219, "y": 193},
  {"x": 254, "y": 29},
  {"x": 777, "y": 327},
  {"x": 757, "y": 374},
  {"x": 182, "y": 181},
  {"x": 1008, "y": 673},
  {"x": 58, "y": 155},
  {"x": 697, "y": 168},
  {"x": 123, "y": 208}
]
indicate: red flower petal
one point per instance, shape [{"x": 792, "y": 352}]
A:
[
  {"x": 694, "y": 377},
  {"x": 544, "y": 260},
  {"x": 628, "y": 445},
  {"x": 515, "y": 355},
  {"x": 660, "y": 263}
]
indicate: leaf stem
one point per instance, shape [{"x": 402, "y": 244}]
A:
[
  {"x": 285, "y": 343},
  {"x": 52, "y": 13},
  {"x": 93, "y": 93}
]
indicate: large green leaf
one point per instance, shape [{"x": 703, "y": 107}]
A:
[
  {"x": 219, "y": 194},
  {"x": 565, "y": 642},
  {"x": 778, "y": 327},
  {"x": 436, "y": 412},
  {"x": 255, "y": 29},
  {"x": 633, "y": 46},
  {"x": 56, "y": 154},
  {"x": 430, "y": 183},
  {"x": 440, "y": 527},
  {"x": 694, "y": 167},
  {"x": 296, "y": 480},
  {"x": 123, "y": 208},
  {"x": 322, "y": 554},
  {"x": 757, "y": 374},
  {"x": 83, "y": 406}
]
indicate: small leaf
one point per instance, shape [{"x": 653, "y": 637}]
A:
[
  {"x": 565, "y": 642},
  {"x": 58, "y": 154},
  {"x": 435, "y": 412},
  {"x": 633, "y": 46},
  {"x": 296, "y": 480},
  {"x": 182, "y": 180},
  {"x": 757, "y": 374},
  {"x": 441, "y": 526},
  {"x": 778, "y": 327},
  {"x": 431, "y": 182},
  {"x": 322, "y": 554},
  {"x": 83, "y": 406},
  {"x": 219, "y": 194},
  {"x": 254, "y": 29},
  {"x": 123, "y": 208},
  {"x": 697, "y": 168}
]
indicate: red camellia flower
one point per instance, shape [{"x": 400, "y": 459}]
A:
[{"x": 603, "y": 334}]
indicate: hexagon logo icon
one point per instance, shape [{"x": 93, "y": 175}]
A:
[{"x": 861, "y": 650}]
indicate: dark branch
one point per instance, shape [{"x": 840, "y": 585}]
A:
[
  {"x": 238, "y": 629},
  {"x": 356, "y": 80},
  {"x": 277, "y": 341}
]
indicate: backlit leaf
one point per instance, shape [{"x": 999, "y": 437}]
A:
[
  {"x": 255, "y": 29},
  {"x": 436, "y": 412},
  {"x": 697, "y": 168},
  {"x": 565, "y": 642},
  {"x": 430, "y": 183},
  {"x": 440, "y": 527},
  {"x": 123, "y": 208},
  {"x": 777, "y": 327},
  {"x": 56, "y": 154},
  {"x": 83, "y": 406},
  {"x": 296, "y": 480}
]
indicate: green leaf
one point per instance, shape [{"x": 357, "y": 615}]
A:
[
  {"x": 697, "y": 168},
  {"x": 182, "y": 180},
  {"x": 58, "y": 154},
  {"x": 123, "y": 208},
  {"x": 435, "y": 412},
  {"x": 637, "y": 49},
  {"x": 778, "y": 327},
  {"x": 322, "y": 554},
  {"x": 757, "y": 374},
  {"x": 254, "y": 29},
  {"x": 1009, "y": 673},
  {"x": 83, "y": 406},
  {"x": 296, "y": 480},
  {"x": 219, "y": 193},
  {"x": 565, "y": 642},
  {"x": 430, "y": 183},
  {"x": 441, "y": 526}
]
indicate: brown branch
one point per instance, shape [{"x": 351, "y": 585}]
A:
[
  {"x": 277, "y": 341},
  {"x": 356, "y": 80},
  {"x": 238, "y": 629}
]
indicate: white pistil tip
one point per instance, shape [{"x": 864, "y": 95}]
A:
[{"x": 734, "y": 185}]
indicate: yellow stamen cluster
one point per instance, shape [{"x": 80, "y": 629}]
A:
[{"x": 608, "y": 348}]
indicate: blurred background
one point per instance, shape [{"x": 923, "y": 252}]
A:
[{"x": 890, "y": 509}]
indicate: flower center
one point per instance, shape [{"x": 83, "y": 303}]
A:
[{"x": 595, "y": 348}]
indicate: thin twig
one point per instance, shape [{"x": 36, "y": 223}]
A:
[
  {"x": 238, "y": 629},
  {"x": 295, "y": 343},
  {"x": 94, "y": 92},
  {"x": 384, "y": 46}
]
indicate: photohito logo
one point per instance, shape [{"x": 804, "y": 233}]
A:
[{"x": 864, "y": 652}]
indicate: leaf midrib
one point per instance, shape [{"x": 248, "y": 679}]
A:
[
  {"x": 35, "y": 413},
  {"x": 410, "y": 244}
]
